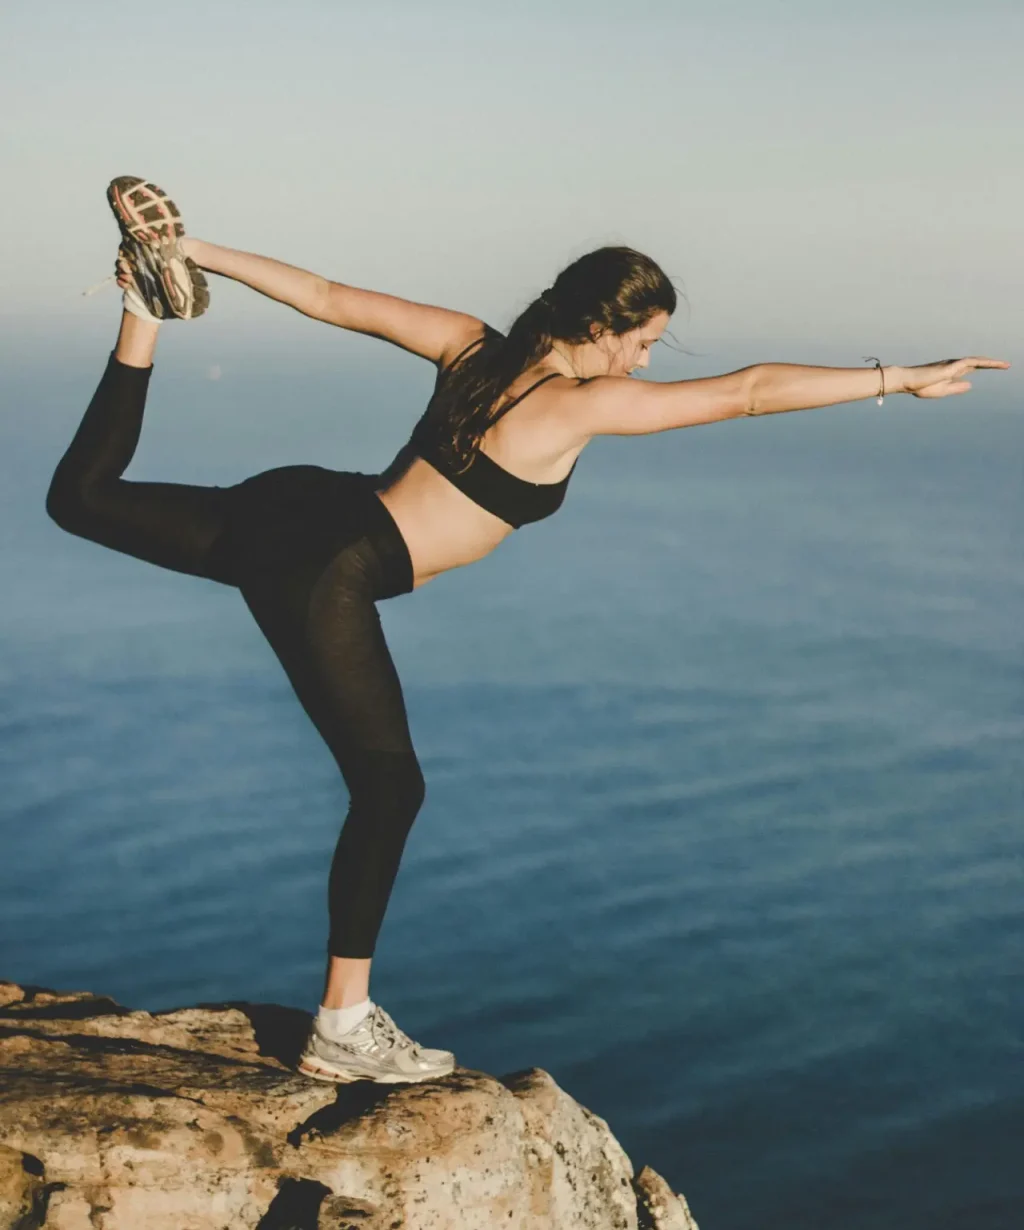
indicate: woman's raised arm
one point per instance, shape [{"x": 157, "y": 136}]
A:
[{"x": 434, "y": 333}]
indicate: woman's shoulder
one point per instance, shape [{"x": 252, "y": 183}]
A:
[{"x": 464, "y": 345}]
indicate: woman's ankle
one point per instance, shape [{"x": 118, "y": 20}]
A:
[
  {"x": 347, "y": 981},
  {"x": 345, "y": 998},
  {"x": 136, "y": 342}
]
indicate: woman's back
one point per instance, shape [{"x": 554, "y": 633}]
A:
[{"x": 519, "y": 474}]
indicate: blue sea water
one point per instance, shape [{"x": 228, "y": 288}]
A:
[{"x": 723, "y": 823}]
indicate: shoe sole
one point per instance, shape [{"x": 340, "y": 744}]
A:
[
  {"x": 337, "y": 1076},
  {"x": 141, "y": 205}
]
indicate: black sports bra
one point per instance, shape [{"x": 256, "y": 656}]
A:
[{"x": 516, "y": 501}]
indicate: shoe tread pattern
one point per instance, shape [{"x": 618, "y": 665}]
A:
[{"x": 141, "y": 206}]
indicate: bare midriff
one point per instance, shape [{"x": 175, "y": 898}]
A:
[{"x": 442, "y": 527}]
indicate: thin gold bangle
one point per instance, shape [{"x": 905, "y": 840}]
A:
[{"x": 881, "y": 388}]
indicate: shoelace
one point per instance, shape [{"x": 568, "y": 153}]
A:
[
  {"x": 111, "y": 277},
  {"x": 137, "y": 271},
  {"x": 134, "y": 300},
  {"x": 139, "y": 293},
  {"x": 385, "y": 1028}
]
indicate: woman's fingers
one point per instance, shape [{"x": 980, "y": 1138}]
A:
[
  {"x": 943, "y": 389},
  {"x": 973, "y": 361},
  {"x": 947, "y": 377}
]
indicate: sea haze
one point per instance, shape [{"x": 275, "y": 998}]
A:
[{"x": 723, "y": 781}]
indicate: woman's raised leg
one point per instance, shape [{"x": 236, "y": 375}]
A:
[{"x": 173, "y": 525}]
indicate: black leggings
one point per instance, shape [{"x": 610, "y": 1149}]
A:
[{"x": 311, "y": 551}]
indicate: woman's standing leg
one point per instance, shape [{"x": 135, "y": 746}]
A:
[{"x": 329, "y": 640}]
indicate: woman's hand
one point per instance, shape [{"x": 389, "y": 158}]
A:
[{"x": 943, "y": 379}]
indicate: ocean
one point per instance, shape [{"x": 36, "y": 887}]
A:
[{"x": 723, "y": 762}]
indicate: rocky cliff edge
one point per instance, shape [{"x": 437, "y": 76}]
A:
[{"x": 194, "y": 1120}]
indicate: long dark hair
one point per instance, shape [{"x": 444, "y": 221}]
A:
[{"x": 617, "y": 288}]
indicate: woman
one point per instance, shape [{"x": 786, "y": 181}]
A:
[{"x": 312, "y": 550}]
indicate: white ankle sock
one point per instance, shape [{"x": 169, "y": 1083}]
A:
[
  {"x": 132, "y": 301},
  {"x": 337, "y": 1021}
]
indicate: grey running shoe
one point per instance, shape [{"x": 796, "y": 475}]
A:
[
  {"x": 168, "y": 282},
  {"x": 376, "y": 1050}
]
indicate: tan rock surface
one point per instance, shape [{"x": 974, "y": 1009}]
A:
[{"x": 194, "y": 1120}]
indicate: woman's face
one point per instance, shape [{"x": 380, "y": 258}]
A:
[{"x": 625, "y": 352}]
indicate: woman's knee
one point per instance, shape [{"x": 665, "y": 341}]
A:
[
  {"x": 67, "y": 500},
  {"x": 389, "y": 786},
  {"x": 76, "y": 503},
  {"x": 402, "y": 789},
  {"x": 415, "y": 789}
]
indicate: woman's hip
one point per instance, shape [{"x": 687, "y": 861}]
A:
[{"x": 297, "y": 519}]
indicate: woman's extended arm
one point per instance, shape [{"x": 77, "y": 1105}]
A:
[
  {"x": 777, "y": 387},
  {"x": 434, "y": 333},
  {"x": 612, "y": 405}
]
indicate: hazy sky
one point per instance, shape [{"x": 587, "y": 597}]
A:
[{"x": 846, "y": 174}]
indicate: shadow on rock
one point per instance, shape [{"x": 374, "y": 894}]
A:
[
  {"x": 66, "y": 1010},
  {"x": 295, "y": 1207},
  {"x": 24, "y": 1192},
  {"x": 351, "y": 1102},
  {"x": 280, "y": 1032}
]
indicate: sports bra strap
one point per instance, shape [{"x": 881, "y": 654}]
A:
[
  {"x": 464, "y": 352},
  {"x": 516, "y": 400}
]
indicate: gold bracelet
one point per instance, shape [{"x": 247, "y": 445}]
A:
[{"x": 881, "y": 387}]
